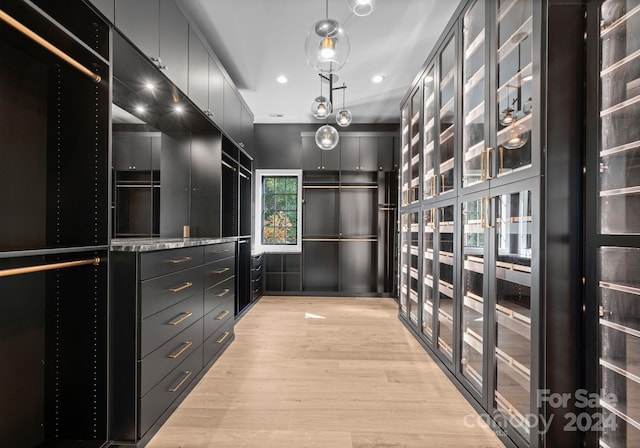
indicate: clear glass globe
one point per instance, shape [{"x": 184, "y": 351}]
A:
[
  {"x": 321, "y": 107},
  {"x": 362, "y": 7},
  {"x": 516, "y": 137},
  {"x": 327, "y": 137},
  {"x": 327, "y": 46},
  {"x": 344, "y": 118}
]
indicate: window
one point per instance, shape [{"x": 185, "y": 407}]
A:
[{"x": 278, "y": 210}]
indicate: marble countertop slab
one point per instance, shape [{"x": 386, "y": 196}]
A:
[{"x": 151, "y": 244}]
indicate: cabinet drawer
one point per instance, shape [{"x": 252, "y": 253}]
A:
[
  {"x": 161, "y": 327},
  {"x": 168, "y": 356},
  {"x": 219, "y": 271},
  {"x": 217, "y": 340},
  {"x": 215, "y": 295},
  {"x": 154, "y": 264},
  {"x": 256, "y": 260},
  {"x": 256, "y": 273},
  {"x": 215, "y": 252},
  {"x": 162, "y": 292},
  {"x": 219, "y": 316},
  {"x": 166, "y": 391}
]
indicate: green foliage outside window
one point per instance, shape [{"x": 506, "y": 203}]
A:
[{"x": 280, "y": 210}]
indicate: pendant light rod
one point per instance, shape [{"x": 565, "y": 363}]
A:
[{"x": 329, "y": 79}]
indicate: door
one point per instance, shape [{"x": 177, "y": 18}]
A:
[
  {"x": 198, "y": 72},
  {"x": 445, "y": 314},
  {"x": 174, "y": 44}
]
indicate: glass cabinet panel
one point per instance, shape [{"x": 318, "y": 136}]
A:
[
  {"x": 619, "y": 112},
  {"x": 447, "y": 116},
  {"x": 405, "y": 178},
  {"x": 405, "y": 239},
  {"x": 514, "y": 79},
  {"x": 428, "y": 242},
  {"x": 414, "y": 151},
  {"x": 473, "y": 277},
  {"x": 445, "y": 280},
  {"x": 513, "y": 307},
  {"x": 619, "y": 309},
  {"x": 429, "y": 140},
  {"x": 414, "y": 257},
  {"x": 474, "y": 164}
]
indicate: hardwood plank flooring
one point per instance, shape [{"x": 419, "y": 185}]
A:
[{"x": 348, "y": 375}]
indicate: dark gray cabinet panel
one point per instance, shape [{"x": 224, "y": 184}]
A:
[
  {"x": 357, "y": 266},
  {"x": 132, "y": 151},
  {"x": 350, "y": 153},
  {"x": 386, "y": 151},
  {"x": 246, "y": 134},
  {"x": 139, "y": 21},
  {"x": 358, "y": 212},
  {"x": 311, "y": 155},
  {"x": 232, "y": 111},
  {"x": 206, "y": 173},
  {"x": 216, "y": 93},
  {"x": 320, "y": 266},
  {"x": 330, "y": 159},
  {"x": 320, "y": 212},
  {"x": 174, "y": 42},
  {"x": 198, "y": 72},
  {"x": 106, "y": 7},
  {"x": 174, "y": 199},
  {"x": 369, "y": 154}
]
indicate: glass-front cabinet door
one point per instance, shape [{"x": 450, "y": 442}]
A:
[
  {"x": 447, "y": 117},
  {"x": 512, "y": 291},
  {"x": 405, "y": 158},
  {"x": 473, "y": 291},
  {"x": 514, "y": 93},
  {"x": 446, "y": 285},
  {"x": 429, "y": 139},
  {"x": 414, "y": 146},
  {"x": 414, "y": 258},
  {"x": 405, "y": 241},
  {"x": 428, "y": 271},
  {"x": 474, "y": 108}
]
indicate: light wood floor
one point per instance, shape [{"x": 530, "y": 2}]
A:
[{"x": 354, "y": 379}]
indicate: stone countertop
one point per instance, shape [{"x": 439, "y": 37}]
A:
[{"x": 151, "y": 244}]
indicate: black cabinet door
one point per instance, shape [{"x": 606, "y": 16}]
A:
[
  {"x": 131, "y": 152},
  {"x": 386, "y": 154},
  {"x": 320, "y": 212},
  {"x": 139, "y": 21},
  {"x": 369, "y": 154},
  {"x": 232, "y": 111},
  {"x": 311, "y": 155},
  {"x": 198, "y": 71},
  {"x": 350, "y": 153},
  {"x": 216, "y": 93},
  {"x": 331, "y": 158},
  {"x": 205, "y": 185},
  {"x": 174, "y": 43},
  {"x": 246, "y": 135},
  {"x": 106, "y": 7},
  {"x": 174, "y": 199},
  {"x": 320, "y": 269},
  {"x": 358, "y": 212},
  {"x": 357, "y": 266}
]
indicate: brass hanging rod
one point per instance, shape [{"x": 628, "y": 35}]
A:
[
  {"x": 46, "y": 44},
  {"x": 48, "y": 267}
]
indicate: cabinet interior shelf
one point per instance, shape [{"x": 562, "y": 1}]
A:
[
  {"x": 413, "y": 295},
  {"x": 428, "y": 125},
  {"x": 447, "y": 165},
  {"x": 509, "y": 45},
  {"x": 618, "y": 327},
  {"x": 620, "y": 21},
  {"x": 474, "y": 114},
  {"x": 473, "y": 340},
  {"x": 472, "y": 374},
  {"x": 428, "y": 148},
  {"x": 445, "y": 257},
  {"x": 620, "y": 106},
  {"x": 620, "y": 287},
  {"x": 620, "y": 191},
  {"x": 524, "y": 121},
  {"x": 518, "y": 325},
  {"x": 447, "y": 78},
  {"x": 445, "y": 288},
  {"x": 622, "y": 148},
  {"x": 620, "y": 371},
  {"x": 428, "y": 254},
  {"x": 445, "y": 347},
  {"x": 429, "y": 100},
  {"x": 415, "y": 140},
  {"x": 415, "y": 118},
  {"x": 474, "y": 264},
  {"x": 428, "y": 280},
  {"x": 507, "y": 89},
  {"x": 414, "y": 273},
  {"x": 474, "y": 80},
  {"x": 518, "y": 277},
  {"x": 622, "y": 62},
  {"x": 619, "y": 414},
  {"x": 474, "y": 45},
  {"x": 446, "y": 134},
  {"x": 405, "y": 129},
  {"x": 523, "y": 372},
  {"x": 474, "y": 151},
  {"x": 506, "y": 408},
  {"x": 474, "y": 302},
  {"x": 446, "y": 107}
]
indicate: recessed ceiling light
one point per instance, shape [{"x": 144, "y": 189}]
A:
[
  {"x": 141, "y": 109},
  {"x": 178, "y": 108},
  {"x": 282, "y": 79},
  {"x": 149, "y": 85},
  {"x": 377, "y": 79}
]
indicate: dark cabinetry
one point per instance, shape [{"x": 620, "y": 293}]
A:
[
  {"x": 257, "y": 270},
  {"x": 198, "y": 72},
  {"x": 315, "y": 159},
  {"x": 282, "y": 272},
  {"x": 172, "y": 314}
]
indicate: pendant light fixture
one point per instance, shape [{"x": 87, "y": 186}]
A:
[
  {"x": 344, "y": 116},
  {"x": 327, "y": 45},
  {"x": 327, "y": 137},
  {"x": 362, "y": 7},
  {"x": 516, "y": 137},
  {"x": 321, "y": 107}
]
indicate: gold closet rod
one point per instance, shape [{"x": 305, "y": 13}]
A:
[
  {"x": 36, "y": 38},
  {"x": 48, "y": 267}
]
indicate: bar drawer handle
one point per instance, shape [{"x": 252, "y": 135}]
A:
[
  {"x": 184, "y": 316},
  {"x": 223, "y": 251},
  {"x": 182, "y": 350},
  {"x": 187, "y": 374},
  {"x": 224, "y": 336},
  {"x": 180, "y": 260},
  {"x": 181, "y": 287},
  {"x": 221, "y": 271},
  {"x": 223, "y": 293},
  {"x": 221, "y": 315}
]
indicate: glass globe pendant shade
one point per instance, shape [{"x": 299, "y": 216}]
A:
[
  {"x": 344, "y": 118},
  {"x": 362, "y": 7},
  {"x": 516, "y": 137},
  {"x": 508, "y": 116},
  {"x": 321, "y": 107},
  {"x": 327, "y": 46},
  {"x": 327, "y": 137}
]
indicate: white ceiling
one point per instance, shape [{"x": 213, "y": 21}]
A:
[{"x": 258, "y": 40}]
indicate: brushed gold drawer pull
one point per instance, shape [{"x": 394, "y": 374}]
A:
[
  {"x": 221, "y": 315},
  {"x": 184, "y": 316},
  {"x": 181, "y": 287},
  {"x": 221, "y": 271},
  {"x": 180, "y": 260},
  {"x": 224, "y": 336},
  {"x": 182, "y": 350},
  {"x": 223, "y": 293},
  {"x": 222, "y": 251},
  {"x": 187, "y": 374}
]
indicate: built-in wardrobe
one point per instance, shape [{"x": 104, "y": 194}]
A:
[{"x": 491, "y": 216}]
